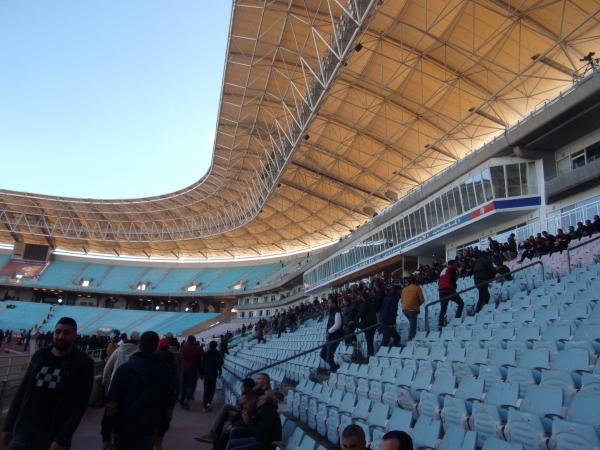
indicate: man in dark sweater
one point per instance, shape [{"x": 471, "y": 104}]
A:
[
  {"x": 261, "y": 424},
  {"x": 387, "y": 317},
  {"x": 213, "y": 363},
  {"x": 139, "y": 403},
  {"x": 53, "y": 395},
  {"x": 483, "y": 271}
]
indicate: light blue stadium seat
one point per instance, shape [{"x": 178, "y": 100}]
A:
[
  {"x": 438, "y": 352},
  {"x": 488, "y": 418},
  {"x": 388, "y": 375},
  {"x": 408, "y": 397},
  {"x": 458, "y": 439},
  {"x": 293, "y": 443},
  {"x": 363, "y": 387},
  {"x": 426, "y": 432},
  {"x": 462, "y": 370},
  {"x": 490, "y": 374},
  {"x": 528, "y": 425},
  {"x": 350, "y": 383},
  {"x": 477, "y": 356},
  {"x": 335, "y": 416},
  {"x": 324, "y": 410},
  {"x": 430, "y": 403},
  {"x": 332, "y": 380},
  {"x": 287, "y": 428},
  {"x": 375, "y": 391},
  {"x": 374, "y": 373},
  {"x": 378, "y": 416},
  {"x": 529, "y": 333},
  {"x": 457, "y": 408},
  {"x": 575, "y": 312},
  {"x": 421, "y": 353},
  {"x": 362, "y": 409},
  {"x": 590, "y": 382},
  {"x": 557, "y": 333},
  {"x": 494, "y": 443},
  {"x": 536, "y": 359},
  {"x": 313, "y": 406},
  {"x": 580, "y": 428},
  {"x": 560, "y": 379},
  {"x": 504, "y": 358},
  {"x": 456, "y": 354},
  {"x": 573, "y": 360},
  {"x": 307, "y": 443},
  {"x": 521, "y": 376}
]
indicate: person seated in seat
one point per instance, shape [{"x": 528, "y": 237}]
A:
[
  {"x": 260, "y": 424},
  {"x": 228, "y": 416},
  {"x": 396, "y": 440},
  {"x": 353, "y": 438},
  {"x": 528, "y": 248}
]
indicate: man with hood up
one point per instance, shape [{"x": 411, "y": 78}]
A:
[
  {"x": 139, "y": 403},
  {"x": 119, "y": 357}
]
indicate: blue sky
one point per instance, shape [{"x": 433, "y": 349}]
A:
[{"x": 109, "y": 99}]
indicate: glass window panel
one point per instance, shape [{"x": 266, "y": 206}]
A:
[
  {"x": 523, "y": 172},
  {"x": 413, "y": 225},
  {"x": 563, "y": 165},
  {"x": 513, "y": 180},
  {"x": 578, "y": 159},
  {"x": 438, "y": 210},
  {"x": 400, "y": 227},
  {"x": 423, "y": 223},
  {"x": 417, "y": 218},
  {"x": 592, "y": 152},
  {"x": 465, "y": 196},
  {"x": 428, "y": 217},
  {"x": 498, "y": 181},
  {"x": 532, "y": 186},
  {"x": 457, "y": 200},
  {"x": 451, "y": 204},
  {"x": 447, "y": 209},
  {"x": 478, "y": 188},
  {"x": 486, "y": 182}
]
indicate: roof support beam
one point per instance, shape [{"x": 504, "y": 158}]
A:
[
  {"x": 338, "y": 180},
  {"x": 304, "y": 190}
]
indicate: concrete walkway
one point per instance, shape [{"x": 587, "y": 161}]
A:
[{"x": 184, "y": 427}]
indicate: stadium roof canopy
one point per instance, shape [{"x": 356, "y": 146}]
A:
[{"x": 330, "y": 111}]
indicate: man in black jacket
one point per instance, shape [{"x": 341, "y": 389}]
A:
[
  {"x": 367, "y": 317},
  {"x": 213, "y": 363},
  {"x": 53, "y": 395},
  {"x": 387, "y": 317},
  {"x": 262, "y": 425},
  {"x": 333, "y": 333},
  {"x": 139, "y": 403},
  {"x": 483, "y": 271}
]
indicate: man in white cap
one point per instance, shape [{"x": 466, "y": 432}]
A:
[{"x": 119, "y": 357}]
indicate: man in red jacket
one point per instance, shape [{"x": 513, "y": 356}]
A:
[{"x": 447, "y": 288}]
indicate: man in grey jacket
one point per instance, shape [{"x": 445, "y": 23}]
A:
[{"x": 119, "y": 357}]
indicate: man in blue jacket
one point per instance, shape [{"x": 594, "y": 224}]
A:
[{"x": 139, "y": 403}]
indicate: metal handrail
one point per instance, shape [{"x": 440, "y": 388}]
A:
[
  {"x": 569, "y": 249},
  {"x": 306, "y": 352},
  {"x": 483, "y": 283}
]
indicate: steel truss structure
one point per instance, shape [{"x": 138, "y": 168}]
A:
[{"x": 330, "y": 111}]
